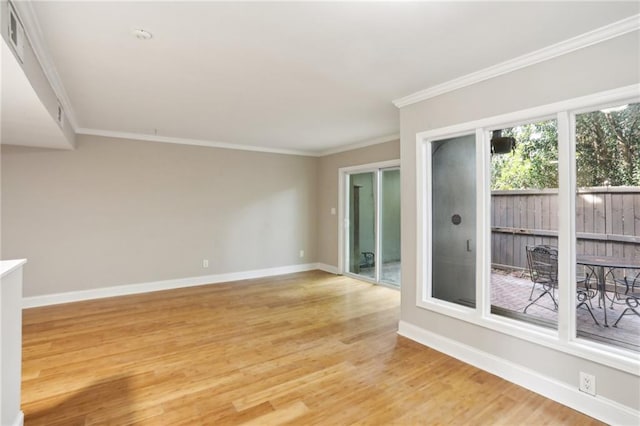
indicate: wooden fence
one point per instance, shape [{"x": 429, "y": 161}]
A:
[{"x": 607, "y": 223}]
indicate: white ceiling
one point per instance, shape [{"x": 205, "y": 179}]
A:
[
  {"x": 24, "y": 119},
  {"x": 287, "y": 76}
]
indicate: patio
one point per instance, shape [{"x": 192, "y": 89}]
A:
[{"x": 510, "y": 295}]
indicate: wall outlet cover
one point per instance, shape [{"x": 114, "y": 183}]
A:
[{"x": 587, "y": 383}]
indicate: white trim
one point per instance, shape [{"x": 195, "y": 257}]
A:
[
  {"x": 343, "y": 205},
  {"x": 587, "y": 39},
  {"x": 36, "y": 39},
  {"x": 566, "y": 237},
  {"x": 186, "y": 141},
  {"x": 483, "y": 221},
  {"x": 424, "y": 185},
  {"x": 122, "y": 290},
  {"x": 19, "y": 421},
  {"x": 370, "y": 167},
  {"x": 377, "y": 243},
  {"x": 8, "y": 266},
  {"x": 228, "y": 145},
  {"x": 564, "y": 341},
  {"x": 327, "y": 268},
  {"x": 629, "y": 93},
  {"x": 351, "y": 147},
  {"x": 598, "y": 407}
]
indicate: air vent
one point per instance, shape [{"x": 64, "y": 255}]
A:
[
  {"x": 16, "y": 33},
  {"x": 60, "y": 116}
]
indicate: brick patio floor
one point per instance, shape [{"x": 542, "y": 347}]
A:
[{"x": 511, "y": 292}]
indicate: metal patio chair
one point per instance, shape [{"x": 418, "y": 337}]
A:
[{"x": 543, "y": 270}]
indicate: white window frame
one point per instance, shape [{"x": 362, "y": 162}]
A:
[{"x": 563, "y": 339}]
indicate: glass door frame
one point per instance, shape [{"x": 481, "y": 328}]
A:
[{"x": 343, "y": 216}]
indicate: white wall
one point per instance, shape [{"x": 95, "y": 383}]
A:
[
  {"x": 10, "y": 341},
  {"x": 604, "y": 66}
]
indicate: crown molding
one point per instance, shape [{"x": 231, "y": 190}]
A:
[
  {"x": 36, "y": 39},
  {"x": 587, "y": 39},
  {"x": 228, "y": 145},
  {"x": 186, "y": 141},
  {"x": 357, "y": 145}
]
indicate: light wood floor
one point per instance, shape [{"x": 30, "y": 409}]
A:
[{"x": 309, "y": 348}]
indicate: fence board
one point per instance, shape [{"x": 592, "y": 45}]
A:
[
  {"x": 628, "y": 221},
  {"x": 588, "y": 202},
  {"x": 553, "y": 211},
  {"x": 607, "y": 223}
]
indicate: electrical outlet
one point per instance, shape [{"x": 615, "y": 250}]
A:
[
  {"x": 205, "y": 263},
  {"x": 588, "y": 383},
  {"x": 301, "y": 254}
]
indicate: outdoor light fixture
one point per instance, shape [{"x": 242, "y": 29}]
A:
[{"x": 502, "y": 144}]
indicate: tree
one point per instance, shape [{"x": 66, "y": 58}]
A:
[
  {"x": 608, "y": 147},
  {"x": 607, "y": 152},
  {"x": 534, "y": 161}
]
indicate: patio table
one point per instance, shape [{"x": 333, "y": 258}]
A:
[{"x": 598, "y": 264}]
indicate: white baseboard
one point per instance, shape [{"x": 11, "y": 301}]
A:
[
  {"x": 327, "y": 268},
  {"x": 19, "y": 421},
  {"x": 598, "y": 407},
  {"x": 123, "y": 290}
]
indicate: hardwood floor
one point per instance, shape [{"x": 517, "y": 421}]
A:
[{"x": 308, "y": 348}]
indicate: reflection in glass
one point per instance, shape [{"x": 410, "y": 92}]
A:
[{"x": 453, "y": 220}]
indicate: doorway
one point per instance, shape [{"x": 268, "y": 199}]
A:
[{"x": 370, "y": 237}]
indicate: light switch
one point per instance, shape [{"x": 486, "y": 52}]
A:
[{"x": 333, "y": 210}]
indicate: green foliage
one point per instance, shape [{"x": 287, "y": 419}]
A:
[
  {"x": 608, "y": 147},
  {"x": 607, "y": 152},
  {"x": 534, "y": 162}
]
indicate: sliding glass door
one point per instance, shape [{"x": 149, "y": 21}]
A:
[
  {"x": 362, "y": 220},
  {"x": 390, "y": 226},
  {"x": 372, "y": 219}
]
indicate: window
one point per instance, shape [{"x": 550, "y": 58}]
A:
[
  {"x": 607, "y": 163},
  {"x": 553, "y": 194},
  {"x": 524, "y": 223}
]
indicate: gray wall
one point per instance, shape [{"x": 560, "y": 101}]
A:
[
  {"x": 115, "y": 212},
  {"x": 328, "y": 192},
  {"x": 608, "y": 65},
  {"x": 390, "y": 221}
]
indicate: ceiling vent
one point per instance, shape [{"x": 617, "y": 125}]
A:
[
  {"x": 16, "y": 33},
  {"x": 60, "y": 116}
]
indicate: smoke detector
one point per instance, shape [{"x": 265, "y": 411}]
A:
[{"x": 141, "y": 34}]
